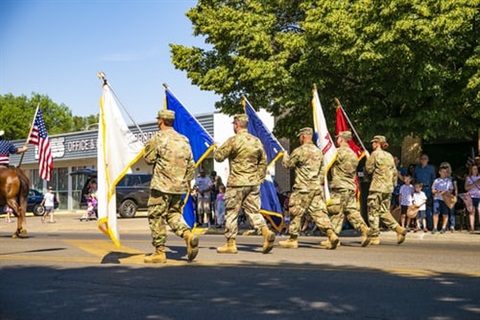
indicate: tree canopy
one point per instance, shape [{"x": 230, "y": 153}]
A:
[
  {"x": 17, "y": 112},
  {"x": 399, "y": 67}
]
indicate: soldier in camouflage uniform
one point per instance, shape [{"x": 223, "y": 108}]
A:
[
  {"x": 248, "y": 165},
  {"x": 343, "y": 190},
  {"x": 307, "y": 191},
  {"x": 173, "y": 168},
  {"x": 381, "y": 166}
]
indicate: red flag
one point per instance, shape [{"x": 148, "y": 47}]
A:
[
  {"x": 342, "y": 126},
  {"x": 39, "y": 138}
]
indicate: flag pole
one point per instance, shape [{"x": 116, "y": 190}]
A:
[
  {"x": 351, "y": 126},
  {"x": 102, "y": 76},
  {"x": 29, "y": 133}
]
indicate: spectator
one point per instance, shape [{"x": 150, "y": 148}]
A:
[
  {"x": 48, "y": 202},
  {"x": 420, "y": 200},
  {"x": 220, "y": 207},
  {"x": 472, "y": 186},
  {"x": 425, "y": 173},
  {"x": 204, "y": 186},
  {"x": 451, "y": 214},
  {"x": 405, "y": 199},
  {"x": 8, "y": 216},
  {"x": 440, "y": 186}
]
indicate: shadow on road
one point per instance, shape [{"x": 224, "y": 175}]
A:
[{"x": 249, "y": 291}]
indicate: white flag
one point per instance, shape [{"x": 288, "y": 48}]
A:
[
  {"x": 324, "y": 140},
  {"x": 118, "y": 150}
]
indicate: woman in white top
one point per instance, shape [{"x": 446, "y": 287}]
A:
[{"x": 472, "y": 186}]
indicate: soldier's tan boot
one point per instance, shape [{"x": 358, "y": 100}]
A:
[
  {"x": 401, "y": 233},
  {"x": 333, "y": 239},
  {"x": 157, "y": 257},
  {"x": 192, "y": 245},
  {"x": 367, "y": 234},
  {"x": 268, "y": 240},
  {"x": 326, "y": 243},
  {"x": 291, "y": 243},
  {"x": 375, "y": 241},
  {"x": 230, "y": 247}
]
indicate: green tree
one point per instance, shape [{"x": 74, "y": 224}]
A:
[
  {"x": 399, "y": 67},
  {"x": 16, "y": 116}
]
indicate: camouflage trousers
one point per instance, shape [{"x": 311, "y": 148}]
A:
[
  {"x": 246, "y": 198},
  {"x": 167, "y": 209},
  {"x": 311, "y": 202},
  {"x": 378, "y": 204},
  {"x": 344, "y": 204}
]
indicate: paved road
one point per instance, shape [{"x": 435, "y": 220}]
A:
[{"x": 69, "y": 270}]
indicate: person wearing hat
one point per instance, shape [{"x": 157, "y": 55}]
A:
[
  {"x": 343, "y": 190},
  {"x": 248, "y": 167},
  {"x": 307, "y": 160},
  {"x": 381, "y": 166},
  {"x": 173, "y": 168},
  {"x": 49, "y": 203},
  {"x": 7, "y": 148}
]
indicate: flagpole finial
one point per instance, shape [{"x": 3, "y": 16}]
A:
[
  {"x": 102, "y": 76},
  {"x": 337, "y": 101},
  {"x": 165, "y": 85},
  {"x": 243, "y": 96},
  {"x": 314, "y": 86}
]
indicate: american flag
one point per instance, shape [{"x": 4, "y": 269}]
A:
[{"x": 39, "y": 138}]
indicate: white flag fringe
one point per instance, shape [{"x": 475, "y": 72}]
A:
[
  {"x": 118, "y": 149},
  {"x": 324, "y": 140}
]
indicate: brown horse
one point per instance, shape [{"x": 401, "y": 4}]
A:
[{"x": 14, "y": 188}]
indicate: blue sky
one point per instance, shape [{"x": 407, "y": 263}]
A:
[{"x": 56, "y": 48}]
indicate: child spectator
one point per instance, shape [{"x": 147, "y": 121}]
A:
[
  {"x": 405, "y": 198},
  {"x": 420, "y": 200},
  {"x": 441, "y": 186},
  {"x": 48, "y": 202},
  {"x": 220, "y": 206},
  {"x": 8, "y": 216},
  {"x": 451, "y": 213}
]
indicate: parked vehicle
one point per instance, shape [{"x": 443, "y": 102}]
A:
[
  {"x": 34, "y": 202},
  {"x": 132, "y": 192}
]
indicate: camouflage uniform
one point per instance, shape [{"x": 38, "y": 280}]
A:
[
  {"x": 307, "y": 190},
  {"x": 173, "y": 168},
  {"x": 343, "y": 191},
  {"x": 248, "y": 165},
  {"x": 384, "y": 178}
]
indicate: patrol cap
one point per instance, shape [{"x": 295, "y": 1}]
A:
[
  {"x": 379, "y": 139},
  {"x": 241, "y": 117},
  {"x": 166, "y": 114},
  {"x": 347, "y": 135},
  {"x": 306, "y": 130},
  {"x": 2, "y": 133}
]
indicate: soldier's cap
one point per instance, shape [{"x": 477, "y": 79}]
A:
[
  {"x": 347, "y": 135},
  {"x": 166, "y": 114},
  {"x": 306, "y": 130},
  {"x": 241, "y": 117},
  {"x": 2, "y": 133},
  {"x": 379, "y": 139}
]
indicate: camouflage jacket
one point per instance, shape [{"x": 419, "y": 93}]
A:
[
  {"x": 381, "y": 166},
  {"x": 246, "y": 158},
  {"x": 171, "y": 156},
  {"x": 344, "y": 169},
  {"x": 309, "y": 167}
]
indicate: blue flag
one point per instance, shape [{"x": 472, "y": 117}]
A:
[
  {"x": 270, "y": 204},
  {"x": 200, "y": 141}
]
